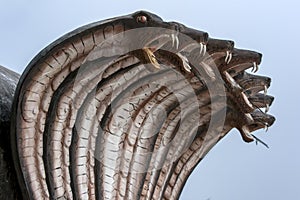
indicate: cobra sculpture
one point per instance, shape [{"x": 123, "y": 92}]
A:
[{"x": 126, "y": 108}]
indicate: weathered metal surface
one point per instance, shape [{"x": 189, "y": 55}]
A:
[{"x": 126, "y": 108}]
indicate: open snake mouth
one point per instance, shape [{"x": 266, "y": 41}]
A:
[
  {"x": 248, "y": 92},
  {"x": 127, "y": 107}
]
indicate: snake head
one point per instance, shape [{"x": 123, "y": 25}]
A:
[
  {"x": 217, "y": 45},
  {"x": 241, "y": 60},
  {"x": 219, "y": 51},
  {"x": 260, "y": 121},
  {"x": 197, "y": 35},
  {"x": 247, "y": 94}
]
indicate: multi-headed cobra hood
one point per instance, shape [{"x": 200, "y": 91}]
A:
[{"x": 127, "y": 107}]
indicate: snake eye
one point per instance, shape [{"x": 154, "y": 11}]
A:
[{"x": 142, "y": 19}]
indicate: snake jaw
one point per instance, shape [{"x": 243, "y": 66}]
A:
[
  {"x": 258, "y": 120},
  {"x": 246, "y": 134},
  {"x": 253, "y": 123}
]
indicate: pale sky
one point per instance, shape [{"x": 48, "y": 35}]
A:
[{"x": 233, "y": 170}]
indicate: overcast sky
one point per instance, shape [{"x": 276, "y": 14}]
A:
[{"x": 233, "y": 170}]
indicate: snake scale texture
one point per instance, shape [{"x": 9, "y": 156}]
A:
[{"x": 127, "y": 107}]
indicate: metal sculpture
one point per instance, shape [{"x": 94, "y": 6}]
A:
[{"x": 127, "y": 107}]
